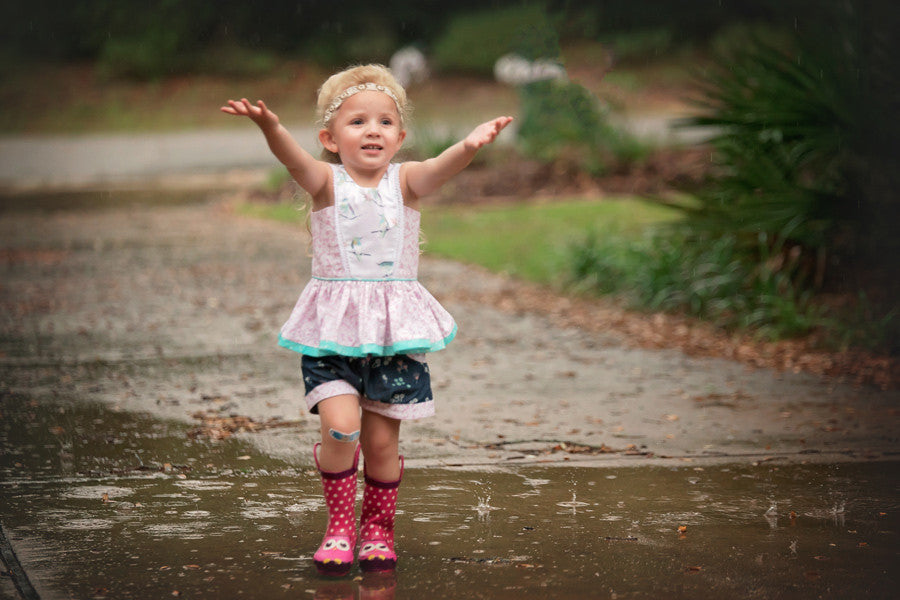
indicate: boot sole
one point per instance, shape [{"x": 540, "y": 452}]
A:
[
  {"x": 330, "y": 569},
  {"x": 377, "y": 565}
]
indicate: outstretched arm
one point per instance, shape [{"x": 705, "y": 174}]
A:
[
  {"x": 311, "y": 174},
  {"x": 423, "y": 178}
]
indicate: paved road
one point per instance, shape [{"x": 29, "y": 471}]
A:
[
  {"x": 98, "y": 160},
  {"x": 163, "y": 308},
  {"x": 30, "y": 162}
]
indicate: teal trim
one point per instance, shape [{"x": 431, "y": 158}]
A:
[
  {"x": 354, "y": 279},
  {"x": 327, "y": 348}
]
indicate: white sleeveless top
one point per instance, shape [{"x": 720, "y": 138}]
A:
[{"x": 364, "y": 298}]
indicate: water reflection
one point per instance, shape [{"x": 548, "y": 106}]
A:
[{"x": 370, "y": 586}]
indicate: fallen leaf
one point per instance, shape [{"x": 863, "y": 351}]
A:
[{"x": 693, "y": 569}]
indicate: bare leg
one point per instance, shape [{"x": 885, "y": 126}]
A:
[
  {"x": 340, "y": 422},
  {"x": 380, "y": 439}
]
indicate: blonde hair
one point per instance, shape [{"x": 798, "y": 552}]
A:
[{"x": 338, "y": 83}]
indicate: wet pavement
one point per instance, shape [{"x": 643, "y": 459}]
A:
[
  {"x": 152, "y": 442},
  {"x": 106, "y": 504}
]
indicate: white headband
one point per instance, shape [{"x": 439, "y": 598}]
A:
[{"x": 363, "y": 87}]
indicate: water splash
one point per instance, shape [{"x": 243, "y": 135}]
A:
[
  {"x": 574, "y": 503},
  {"x": 771, "y": 516},
  {"x": 837, "y": 513},
  {"x": 484, "y": 508}
]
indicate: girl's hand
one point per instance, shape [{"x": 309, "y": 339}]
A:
[
  {"x": 257, "y": 113},
  {"x": 485, "y": 133}
]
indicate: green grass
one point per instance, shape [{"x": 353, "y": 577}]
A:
[
  {"x": 293, "y": 212},
  {"x": 531, "y": 241}
]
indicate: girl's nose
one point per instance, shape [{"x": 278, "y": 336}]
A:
[{"x": 373, "y": 127}]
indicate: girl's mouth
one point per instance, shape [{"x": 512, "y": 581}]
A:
[{"x": 371, "y": 147}]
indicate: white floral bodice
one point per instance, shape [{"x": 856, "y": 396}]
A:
[{"x": 364, "y": 298}]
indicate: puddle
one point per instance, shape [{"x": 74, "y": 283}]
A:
[{"x": 100, "y": 504}]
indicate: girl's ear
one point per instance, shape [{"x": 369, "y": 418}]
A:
[
  {"x": 327, "y": 140},
  {"x": 402, "y": 136}
]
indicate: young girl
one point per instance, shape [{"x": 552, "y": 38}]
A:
[{"x": 364, "y": 323}]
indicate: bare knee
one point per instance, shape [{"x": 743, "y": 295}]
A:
[
  {"x": 341, "y": 428},
  {"x": 340, "y": 421}
]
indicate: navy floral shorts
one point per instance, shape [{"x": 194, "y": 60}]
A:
[{"x": 397, "y": 386}]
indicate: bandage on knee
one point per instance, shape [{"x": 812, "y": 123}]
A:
[{"x": 344, "y": 437}]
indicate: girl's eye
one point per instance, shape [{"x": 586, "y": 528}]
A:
[
  {"x": 356, "y": 122},
  {"x": 387, "y": 122}
]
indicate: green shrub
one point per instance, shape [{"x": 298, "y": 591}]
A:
[
  {"x": 562, "y": 122},
  {"x": 231, "y": 60},
  {"x": 639, "y": 45},
  {"x": 427, "y": 142},
  {"x": 152, "y": 55},
  {"x": 709, "y": 279},
  {"x": 779, "y": 143},
  {"x": 473, "y": 41},
  {"x": 806, "y": 140}
]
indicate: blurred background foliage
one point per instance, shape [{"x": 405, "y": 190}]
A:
[{"x": 149, "y": 39}]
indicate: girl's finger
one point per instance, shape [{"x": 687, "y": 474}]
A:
[{"x": 233, "y": 108}]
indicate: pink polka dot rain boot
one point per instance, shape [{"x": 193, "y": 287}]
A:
[
  {"x": 335, "y": 555},
  {"x": 376, "y": 548}
]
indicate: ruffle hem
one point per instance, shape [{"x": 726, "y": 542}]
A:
[{"x": 366, "y": 318}]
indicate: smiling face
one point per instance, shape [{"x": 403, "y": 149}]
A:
[{"x": 366, "y": 132}]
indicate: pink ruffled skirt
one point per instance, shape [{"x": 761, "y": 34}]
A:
[{"x": 366, "y": 318}]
